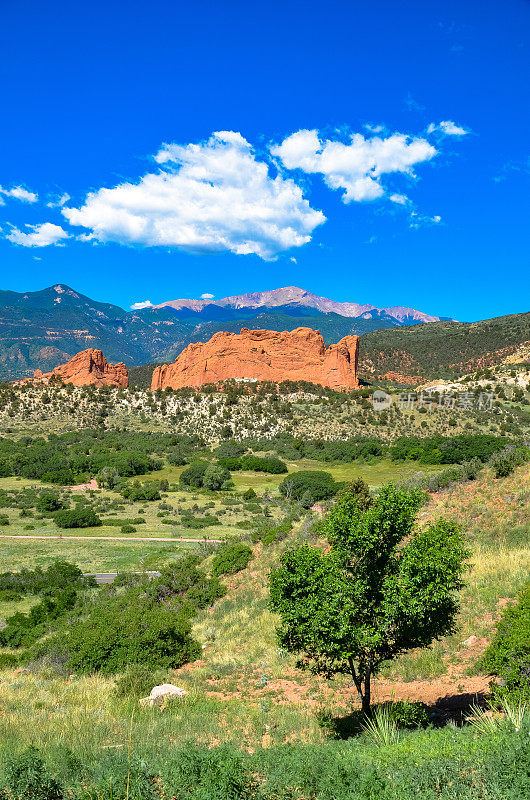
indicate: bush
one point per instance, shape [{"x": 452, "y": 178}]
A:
[
  {"x": 408, "y": 714},
  {"x": 59, "y": 575},
  {"x": 9, "y": 660},
  {"x": 249, "y": 494},
  {"x": 308, "y": 486},
  {"x": 131, "y": 628},
  {"x": 23, "y": 630},
  {"x": 508, "y": 655},
  {"x": 193, "y": 476},
  {"x": 137, "y": 681},
  {"x": 230, "y": 450},
  {"x": 47, "y": 502},
  {"x": 128, "y": 528},
  {"x": 141, "y": 492},
  {"x": 231, "y": 558},
  {"x": 4, "y": 520},
  {"x": 216, "y": 477},
  {"x": 26, "y": 776},
  {"x": 77, "y": 518},
  {"x": 184, "y": 580},
  {"x": 505, "y": 461}
]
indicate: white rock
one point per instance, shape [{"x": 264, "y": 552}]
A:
[{"x": 160, "y": 693}]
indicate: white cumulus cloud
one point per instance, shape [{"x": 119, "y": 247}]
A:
[
  {"x": 141, "y": 304},
  {"x": 19, "y": 193},
  {"x": 447, "y": 127},
  {"x": 38, "y": 236},
  {"x": 207, "y": 296},
  {"x": 212, "y": 196},
  {"x": 356, "y": 166}
]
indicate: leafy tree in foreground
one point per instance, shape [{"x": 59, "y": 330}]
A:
[{"x": 382, "y": 588}]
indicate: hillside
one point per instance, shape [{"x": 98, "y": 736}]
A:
[{"x": 443, "y": 349}]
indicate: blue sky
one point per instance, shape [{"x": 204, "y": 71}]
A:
[{"x": 367, "y": 151}]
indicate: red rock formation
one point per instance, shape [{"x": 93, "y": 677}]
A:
[
  {"x": 299, "y": 355},
  {"x": 88, "y": 367}
]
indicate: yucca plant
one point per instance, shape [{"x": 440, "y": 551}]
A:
[
  {"x": 481, "y": 720},
  {"x": 514, "y": 713},
  {"x": 381, "y": 728}
]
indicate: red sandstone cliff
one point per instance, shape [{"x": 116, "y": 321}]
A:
[
  {"x": 299, "y": 355},
  {"x": 88, "y": 367}
]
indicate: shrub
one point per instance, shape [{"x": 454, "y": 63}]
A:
[
  {"x": 193, "y": 476},
  {"x": 26, "y": 776},
  {"x": 131, "y": 628},
  {"x": 408, "y": 714},
  {"x": 183, "y": 579},
  {"x": 230, "y": 450},
  {"x": 137, "y": 681},
  {"x": 142, "y": 492},
  {"x": 505, "y": 461},
  {"x": 4, "y": 520},
  {"x": 308, "y": 486},
  {"x": 198, "y": 523},
  {"x": 128, "y": 528},
  {"x": 77, "y": 518},
  {"x": 269, "y": 464},
  {"x": 8, "y": 660},
  {"x": 249, "y": 494},
  {"x": 216, "y": 477},
  {"x": 508, "y": 655},
  {"x": 49, "y": 502},
  {"x": 231, "y": 558},
  {"x": 23, "y": 630}
]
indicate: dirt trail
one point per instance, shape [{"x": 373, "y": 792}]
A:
[{"x": 110, "y": 538}]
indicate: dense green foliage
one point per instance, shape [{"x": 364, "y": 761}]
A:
[
  {"x": 23, "y": 630},
  {"x": 446, "y": 450},
  {"x": 26, "y": 776},
  {"x": 231, "y": 558},
  {"x": 382, "y": 589},
  {"x": 143, "y": 492},
  {"x": 77, "y": 518},
  {"x": 59, "y": 575},
  {"x": 202, "y": 474},
  {"x": 185, "y": 581},
  {"x": 308, "y": 486},
  {"x": 126, "y": 629},
  {"x": 148, "y": 623},
  {"x": 273, "y": 466},
  {"x": 450, "y": 764},
  {"x": 508, "y": 655},
  {"x": 75, "y": 456}
]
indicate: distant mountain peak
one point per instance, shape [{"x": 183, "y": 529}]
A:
[{"x": 295, "y": 296}]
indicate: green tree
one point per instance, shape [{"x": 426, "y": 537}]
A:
[
  {"x": 382, "y": 588},
  {"x": 216, "y": 477}
]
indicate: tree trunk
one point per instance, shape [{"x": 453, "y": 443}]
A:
[
  {"x": 362, "y": 684},
  {"x": 366, "y": 698}
]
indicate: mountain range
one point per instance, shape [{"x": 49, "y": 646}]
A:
[
  {"x": 295, "y": 299},
  {"x": 42, "y": 329}
]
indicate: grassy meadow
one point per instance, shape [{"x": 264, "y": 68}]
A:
[{"x": 245, "y": 689}]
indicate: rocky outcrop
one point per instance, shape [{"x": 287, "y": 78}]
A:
[
  {"x": 90, "y": 367},
  {"x": 262, "y": 355},
  {"x": 160, "y": 694}
]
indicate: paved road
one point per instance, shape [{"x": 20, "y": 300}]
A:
[
  {"x": 110, "y": 538},
  {"x": 110, "y": 577}
]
